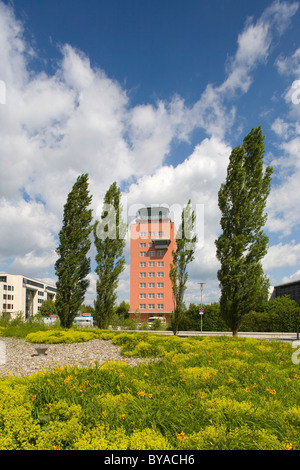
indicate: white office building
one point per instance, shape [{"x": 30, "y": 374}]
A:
[{"x": 23, "y": 294}]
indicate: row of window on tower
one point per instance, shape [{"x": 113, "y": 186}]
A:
[
  {"x": 151, "y": 285},
  {"x": 152, "y": 234},
  {"x": 152, "y": 274},
  {"x": 152, "y": 306},
  {"x": 152, "y": 253}
]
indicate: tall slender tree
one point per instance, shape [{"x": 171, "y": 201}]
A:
[
  {"x": 109, "y": 234},
  {"x": 242, "y": 243},
  {"x": 73, "y": 265},
  {"x": 182, "y": 255}
]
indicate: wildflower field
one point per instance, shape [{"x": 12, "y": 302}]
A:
[{"x": 192, "y": 393}]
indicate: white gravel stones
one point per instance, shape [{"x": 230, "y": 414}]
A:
[{"x": 21, "y": 358}]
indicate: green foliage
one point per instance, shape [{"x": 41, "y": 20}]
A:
[
  {"x": 242, "y": 243},
  {"x": 48, "y": 308},
  {"x": 123, "y": 310},
  {"x": 109, "y": 234},
  {"x": 182, "y": 256},
  {"x": 18, "y": 328},
  {"x": 61, "y": 336},
  {"x": 212, "y": 319},
  {"x": 209, "y": 393},
  {"x": 279, "y": 314},
  {"x": 73, "y": 265}
]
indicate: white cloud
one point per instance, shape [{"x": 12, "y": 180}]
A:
[
  {"x": 289, "y": 65},
  {"x": 283, "y": 202},
  {"x": 25, "y": 227},
  {"x": 293, "y": 277},
  {"x": 254, "y": 44},
  {"x": 282, "y": 255}
]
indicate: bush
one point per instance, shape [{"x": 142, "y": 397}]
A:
[
  {"x": 19, "y": 328},
  {"x": 260, "y": 321},
  {"x": 61, "y": 336},
  {"x": 280, "y": 314}
]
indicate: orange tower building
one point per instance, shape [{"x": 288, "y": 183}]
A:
[{"x": 151, "y": 246}]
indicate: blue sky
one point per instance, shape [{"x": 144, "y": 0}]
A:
[{"x": 153, "y": 94}]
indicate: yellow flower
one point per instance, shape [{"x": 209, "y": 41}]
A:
[
  {"x": 122, "y": 416},
  {"x": 289, "y": 447},
  {"x": 33, "y": 397},
  {"x": 150, "y": 395},
  {"x": 142, "y": 393},
  {"x": 247, "y": 389},
  {"x": 104, "y": 413},
  {"x": 273, "y": 392},
  {"x": 181, "y": 436}
]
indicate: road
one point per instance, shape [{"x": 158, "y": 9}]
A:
[{"x": 256, "y": 335}]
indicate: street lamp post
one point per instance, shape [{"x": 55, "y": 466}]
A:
[{"x": 201, "y": 310}]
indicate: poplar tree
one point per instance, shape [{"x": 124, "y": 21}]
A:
[
  {"x": 182, "y": 255},
  {"x": 109, "y": 234},
  {"x": 242, "y": 243},
  {"x": 73, "y": 265}
]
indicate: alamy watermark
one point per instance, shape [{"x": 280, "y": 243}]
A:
[
  {"x": 295, "y": 359},
  {"x": 157, "y": 226},
  {"x": 296, "y": 94},
  {"x": 2, "y": 92}
]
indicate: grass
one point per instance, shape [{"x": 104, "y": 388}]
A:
[{"x": 198, "y": 393}]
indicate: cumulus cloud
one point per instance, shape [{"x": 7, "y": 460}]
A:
[
  {"x": 282, "y": 255},
  {"x": 293, "y": 277}
]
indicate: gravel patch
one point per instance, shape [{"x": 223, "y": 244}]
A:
[{"x": 21, "y": 357}]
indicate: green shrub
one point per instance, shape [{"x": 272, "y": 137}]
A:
[{"x": 61, "y": 336}]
